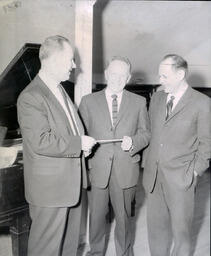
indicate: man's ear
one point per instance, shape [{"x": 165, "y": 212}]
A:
[{"x": 181, "y": 74}]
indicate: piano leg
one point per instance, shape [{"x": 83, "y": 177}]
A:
[{"x": 19, "y": 231}]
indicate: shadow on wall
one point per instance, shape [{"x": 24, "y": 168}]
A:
[
  {"x": 98, "y": 55},
  {"x": 196, "y": 80}
]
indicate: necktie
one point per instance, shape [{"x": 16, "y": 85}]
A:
[
  {"x": 64, "y": 95},
  {"x": 114, "y": 108},
  {"x": 169, "y": 106}
]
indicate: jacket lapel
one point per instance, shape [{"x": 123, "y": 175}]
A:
[
  {"x": 162, "y": 108},
  {"x": 182, "y": 103},
  {"x": 124, "y": 106},
  {"x": 103, "y": 106},
  {"x": 49, "y": 95},
  {"x": 77, "y": 119}
]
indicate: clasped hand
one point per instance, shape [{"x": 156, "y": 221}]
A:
[
  {"x": 127, "y": 143},
  {"x": 87, "y": 143}
]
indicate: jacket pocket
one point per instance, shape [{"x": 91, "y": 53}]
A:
[{"x": 38, "y": 169}]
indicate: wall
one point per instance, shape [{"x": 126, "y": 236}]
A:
[
  {"x": 145, "y": 31},
  {"x": 30, "y": 21}
]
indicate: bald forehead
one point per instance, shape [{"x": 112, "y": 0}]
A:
[
  {"x": 167, "y": 65},
  {"x": 118, "y": 64},
  {"x": 167, "y": 62}
]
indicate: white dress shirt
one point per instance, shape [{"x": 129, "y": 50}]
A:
[
  {"x": 177, "y": 96},
  {"x": 109, "y": 100},
  {"x": 54, "y": 88}
]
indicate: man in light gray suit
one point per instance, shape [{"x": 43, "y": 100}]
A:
[
  {"x": 179, "y": 151},
  {"x": 114, "y": 113},
  {"x": 53, "y": 146}
]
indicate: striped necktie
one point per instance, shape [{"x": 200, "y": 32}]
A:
[
  {"x": 64, "y": 95},
  {"x": 169, "y": 106},
  {"x": 114, "y": 109}
]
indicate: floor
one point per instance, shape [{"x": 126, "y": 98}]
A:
[{"x": 200, "y": 234}]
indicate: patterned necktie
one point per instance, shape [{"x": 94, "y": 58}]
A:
[
  {"x": 64, "y": 95},
  {"x": 169, "y": 106},
  {"x": 114, "y": 108}
]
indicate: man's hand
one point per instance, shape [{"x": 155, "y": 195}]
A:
[
  {"x": 87, "y": 143},
  {"x": 87, "y": 153},
  {"x": 127, "y": 143}
]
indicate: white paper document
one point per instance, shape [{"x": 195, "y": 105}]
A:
[{"x": 109, "y": 141}]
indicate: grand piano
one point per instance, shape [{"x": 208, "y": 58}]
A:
[{"x": 14, "y": 211}]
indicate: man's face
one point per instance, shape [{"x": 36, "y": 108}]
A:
[
  {"x": 117, "y": 75},
  {"x": 168, "y": 77},
  {"x": 61, "y": 63}
]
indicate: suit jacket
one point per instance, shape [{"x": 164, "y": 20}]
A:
[
  {"x": 51, "y": 153},
  {"x": 181, "y": 144},
  {"x": 132, "y": 121}
]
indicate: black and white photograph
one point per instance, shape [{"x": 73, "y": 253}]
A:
[{"x": 105, "y": 127}]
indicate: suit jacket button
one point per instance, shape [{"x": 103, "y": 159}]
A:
[{"x": 110, "y": 158}]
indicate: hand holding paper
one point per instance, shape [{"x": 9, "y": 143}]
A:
[
  {"x": 87, "y": 143},
  {"x": 126, "y": 143}
]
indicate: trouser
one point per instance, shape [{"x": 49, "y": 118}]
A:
[
  {"x": 169, "y": 215},
  {"x": 121, "y": 200},
  {"x": 54, "y": 231}
]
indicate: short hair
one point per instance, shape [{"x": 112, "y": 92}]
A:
[
  {"x": 177, "y": 62},
  {"x": 120, "y": 58},
  {"x": 51, "y": 45}
]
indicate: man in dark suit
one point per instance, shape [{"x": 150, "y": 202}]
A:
[
  {"x": 114, "y": 113},
  {"x": 179, "y": 151},
  {"x": 53, "y": 145}
]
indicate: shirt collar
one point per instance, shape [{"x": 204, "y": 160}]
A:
[
  {"x": 179, "y": 92},
  {"x": 109, "y": 93}
]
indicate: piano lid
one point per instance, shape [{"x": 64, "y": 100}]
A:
[{"x": 17, "y": 75}]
